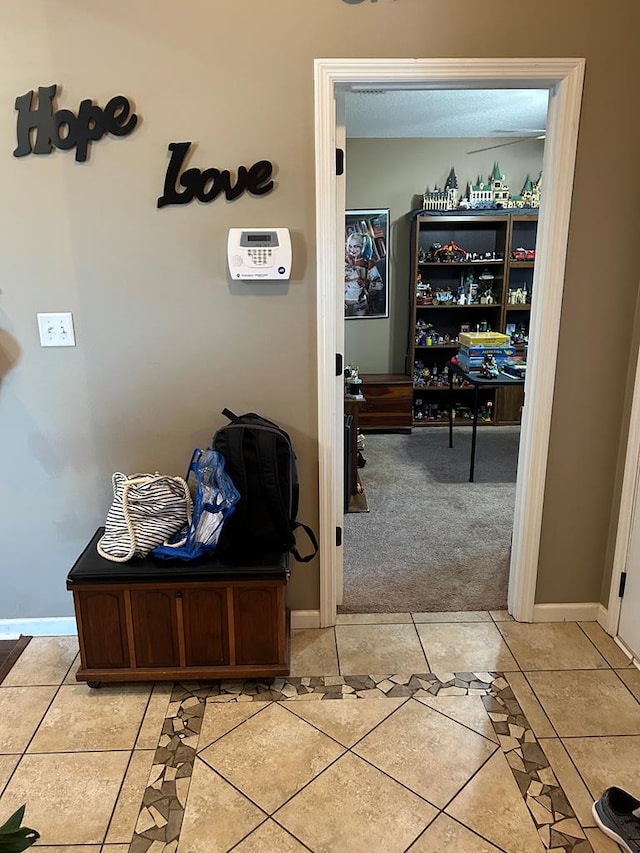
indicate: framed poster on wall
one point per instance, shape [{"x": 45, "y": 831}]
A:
[{"x": 366, "y": 264}]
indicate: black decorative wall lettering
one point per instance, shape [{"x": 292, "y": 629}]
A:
[
  {"x": 208, "y": 184},
  {"x": 63, "y": 129}
]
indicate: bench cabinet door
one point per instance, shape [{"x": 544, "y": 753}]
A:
[
  {"x": 259, "y": 624},
  {"x": 155, "y": 627},
  {"x": 103, "y": 628},
  {"x": 206, "y": 626}
]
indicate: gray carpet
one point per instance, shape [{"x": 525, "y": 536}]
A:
[{"x": 432, "y": 541}]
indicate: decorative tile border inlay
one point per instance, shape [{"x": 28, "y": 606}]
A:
[
  {"x": 554, "y": 818},
  {"x": 160, "y": 820}
]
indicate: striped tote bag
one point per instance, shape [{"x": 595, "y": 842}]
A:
[{"x": 146, "y": 510}]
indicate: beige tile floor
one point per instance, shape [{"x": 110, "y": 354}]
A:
[{"x": 381, "y": 772}]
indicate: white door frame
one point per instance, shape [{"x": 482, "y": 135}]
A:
[
  {"x": 564, "y": 79},
  {"x": 629, "y": 506}
]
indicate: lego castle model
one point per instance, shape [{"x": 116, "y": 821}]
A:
[{"x": 493, "y": 194}]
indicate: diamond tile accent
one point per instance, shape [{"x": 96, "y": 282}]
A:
[
  {"x": 352, "y": 806},
  {"x": 220, "y": 718},
  {"x": 269, "y": 838},
  {"x": 204, "y": 829},
  {"x": 339, "y": 721},
  {"x": 426, "y": 751},
  {"x": 291, "y": 754},
  {"x": 447, "y": 834},
  {"x": 467, "y": 710},
  {"x": 492, "y": 805}
]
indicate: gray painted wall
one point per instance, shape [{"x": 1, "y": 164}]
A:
[{"x": 166, "y": 340}]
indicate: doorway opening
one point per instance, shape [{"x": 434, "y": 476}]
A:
[
  {"x": 563, "y": 79},
  {"x": 417, "y": 535}
]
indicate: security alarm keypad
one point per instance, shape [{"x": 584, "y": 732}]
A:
[{"x": 259, "y": 253}]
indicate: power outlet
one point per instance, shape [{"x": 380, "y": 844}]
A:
[{"x": 56, "y": 330}]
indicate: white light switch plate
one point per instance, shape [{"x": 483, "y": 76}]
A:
[{"x": 56, "y": 330}]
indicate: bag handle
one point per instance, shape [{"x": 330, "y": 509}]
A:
[{"x": 127, "y": 519}]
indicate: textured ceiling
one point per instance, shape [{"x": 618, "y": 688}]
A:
[{"x": 453, "y": 113}]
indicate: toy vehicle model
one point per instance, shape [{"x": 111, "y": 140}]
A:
[{"x": 523, "y": 254}]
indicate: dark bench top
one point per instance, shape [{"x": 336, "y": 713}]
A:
[{"x": 90, "y": 567}]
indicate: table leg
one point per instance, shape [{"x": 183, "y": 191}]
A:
[{"x": 473, "y": 433}]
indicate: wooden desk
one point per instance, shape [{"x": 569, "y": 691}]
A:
[
  {"x": 478, "y": 381},
  {"x": 389, "y": 401}
]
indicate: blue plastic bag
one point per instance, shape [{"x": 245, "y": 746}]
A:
[{"x": 214, "y": 499}]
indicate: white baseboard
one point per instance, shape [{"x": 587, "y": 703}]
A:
[
  {"x": 65, "y": 626},
  {"x": 305, "y": 618},
  {"x": 603, "y": 617},
  {"x": 53, "y": 626},
  {"x": 589, "y": 611}
]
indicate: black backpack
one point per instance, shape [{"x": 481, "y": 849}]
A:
[{"x": 260, "y": 459}]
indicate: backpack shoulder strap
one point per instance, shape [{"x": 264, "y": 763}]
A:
[
  {"x": 312, "y": 538},
  {"x": 270, "y": 481},
  {"x": 266, "y": 447},
  {"x": 235, "y": 442}
]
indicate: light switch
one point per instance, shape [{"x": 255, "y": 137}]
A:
[{"x": 56, "y": 330}]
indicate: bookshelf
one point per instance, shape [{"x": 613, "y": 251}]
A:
[{"x": 470, "y": 271}]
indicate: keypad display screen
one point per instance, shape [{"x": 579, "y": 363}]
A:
[{"x": 267, "y": 239}]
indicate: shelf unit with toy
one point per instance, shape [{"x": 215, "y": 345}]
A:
[
  {"x": 523, "y": 232},
  {"x": 471, "y": 271},
  {"x": 458, "y": 264}
]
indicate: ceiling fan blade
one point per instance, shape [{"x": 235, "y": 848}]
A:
[{"x": 502, "y": 144}]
